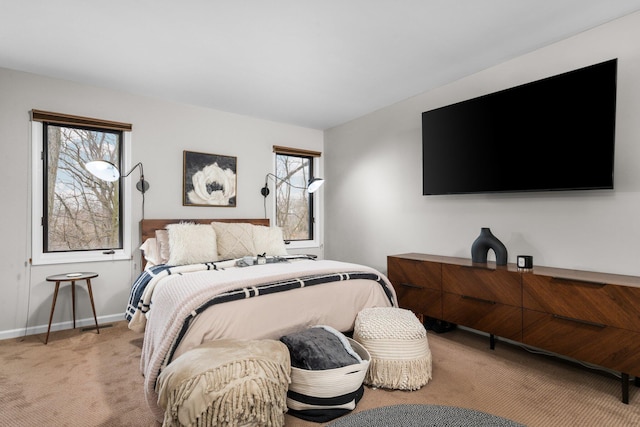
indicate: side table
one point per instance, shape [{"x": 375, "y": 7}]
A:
[{"x": 71, "y": 277}]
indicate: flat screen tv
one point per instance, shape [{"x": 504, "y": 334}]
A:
[{"x": 552, "y": 134}]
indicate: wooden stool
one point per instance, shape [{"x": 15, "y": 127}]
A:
[{"x": 71, "y": 277}]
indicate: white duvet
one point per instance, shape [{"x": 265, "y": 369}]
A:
[{"x": 271, "y": 316}]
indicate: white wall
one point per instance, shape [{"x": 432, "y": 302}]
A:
[
  {"x": 372, "y": 198},
  {"x": 161, "y": 131},
  {"x": 374, "y": 182}
]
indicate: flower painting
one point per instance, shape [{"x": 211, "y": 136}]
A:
[{"x": 209, "y": 180}]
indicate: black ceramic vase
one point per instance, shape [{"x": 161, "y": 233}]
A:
[{"x": 485, "y": 241}]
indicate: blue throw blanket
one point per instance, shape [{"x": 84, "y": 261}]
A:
[{"x": 138, "y": 288}]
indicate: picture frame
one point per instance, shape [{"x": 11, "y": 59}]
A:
[{"x": 209, "y": 179}]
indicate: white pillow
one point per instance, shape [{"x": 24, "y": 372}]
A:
[
  {"x": 150, "y": 252},
  {"x": 191, "y": 244},
  {"x": 235, "y": 239},
  {"x": 163, "y": 251},
  {"x": 269, "y": 240}
]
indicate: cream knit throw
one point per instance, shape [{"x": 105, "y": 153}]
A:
[
  {"x": 227, "y": 383},
  {"x": 397, "y": 343}
]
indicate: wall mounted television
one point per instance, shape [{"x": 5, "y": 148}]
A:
[{"x": 553, "y": 134}]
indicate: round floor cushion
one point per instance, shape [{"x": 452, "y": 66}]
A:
[{"x": 397, "y": 343}]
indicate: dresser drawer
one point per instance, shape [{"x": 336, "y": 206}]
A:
[
  {"x": 414, "y": 273},
  {"x": 600, "y": 303},
  {"x": 487, "y": 284},
  {"x": 417, "y": 284},
  {"x": 614, "y": 348},
  {"x": 488, "y": 316},
  {"x": 420, "y": 300}
]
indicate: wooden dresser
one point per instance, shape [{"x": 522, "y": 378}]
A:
[{"x": 588, "y": 316}]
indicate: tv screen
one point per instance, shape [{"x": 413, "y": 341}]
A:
[{"x": 552, "y": 134}]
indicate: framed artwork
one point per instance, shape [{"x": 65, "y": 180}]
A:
[{"x": 209, "y": 180}]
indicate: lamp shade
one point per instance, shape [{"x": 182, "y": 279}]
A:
[
  {"x": 109, "y": 172},
  {"x": 314, "y": 184},
  {"x": 103, "y": 170}
]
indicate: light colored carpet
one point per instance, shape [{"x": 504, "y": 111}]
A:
[{"x": 85, "y": 379}]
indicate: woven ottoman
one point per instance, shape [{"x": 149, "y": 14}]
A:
[
  {"x": 397, "y": 343},
  {"x": 227, "y": 383}
]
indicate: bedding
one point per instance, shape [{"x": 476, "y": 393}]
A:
[
  {"x": 191, "y": 244},
  {"x": 234, "y": 240},
  {"x": 180, "y": 307},
  {"x": 162, "y": 240}
]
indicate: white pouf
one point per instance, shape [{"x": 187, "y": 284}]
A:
[{"x": 397, "y": 343}]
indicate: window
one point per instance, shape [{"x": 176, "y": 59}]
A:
[
  {"x": 77, "y": 217},
  {"x": 294, "y": 206}
]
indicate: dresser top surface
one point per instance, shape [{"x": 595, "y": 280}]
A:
[{"x": 582, "y": 275}]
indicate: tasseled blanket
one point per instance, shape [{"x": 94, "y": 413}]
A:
[{"x": 226, "y": 383}]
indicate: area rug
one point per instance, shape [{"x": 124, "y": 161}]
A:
[{"x": 422, "y": 416}]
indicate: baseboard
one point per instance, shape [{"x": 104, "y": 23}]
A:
[{"x": 42, "y": 329}]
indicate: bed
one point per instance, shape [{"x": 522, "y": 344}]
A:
[{"x": 233, "y": 278}]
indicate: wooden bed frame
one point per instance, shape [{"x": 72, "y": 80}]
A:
[{"x": 148, "y": 227}]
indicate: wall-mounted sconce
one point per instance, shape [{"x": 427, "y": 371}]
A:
[
  {"x": 107, "y": 171},
  {"x": 312, "y": 185}
]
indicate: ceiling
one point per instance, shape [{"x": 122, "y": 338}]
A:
[{"x": 312, "y": 63}]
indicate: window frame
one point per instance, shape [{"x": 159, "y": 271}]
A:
[
  {"x": 38, "y": 255},
  {"x": 315, "y": 219}
]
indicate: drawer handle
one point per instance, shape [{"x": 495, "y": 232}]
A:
[
  {"x": 584, "y": 322},
  {"x": 486, "y": 301},
  {"x": 409, "y": 285},
  {"x": 584, "y": 282}
]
